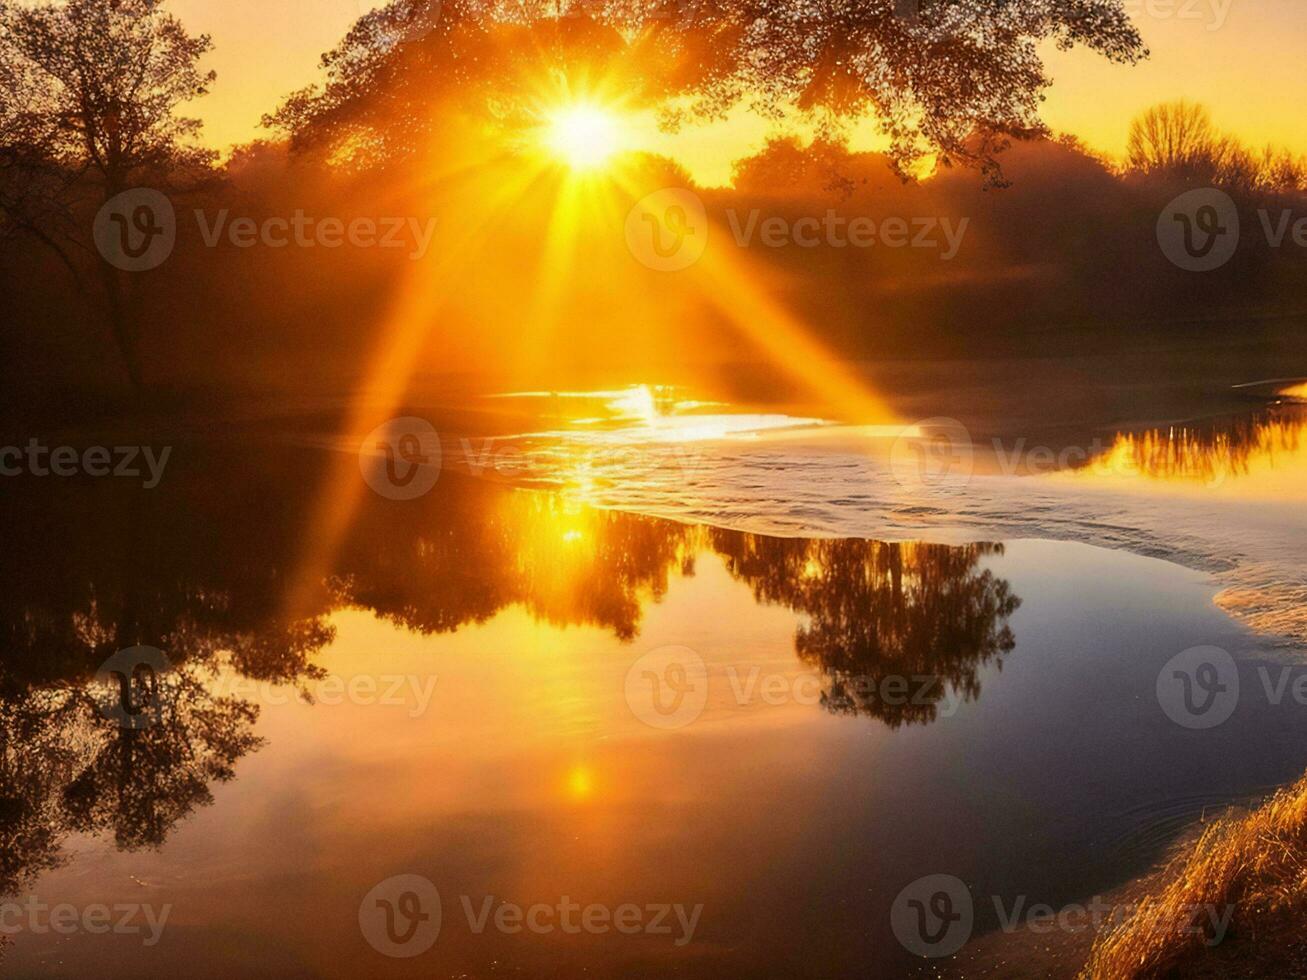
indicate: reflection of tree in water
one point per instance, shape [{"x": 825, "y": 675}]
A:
[
  {"x": 461, "y": 557},
  {"x": 882, "y": 614},
  {"x": 90, "y": 570},
  {"x": 142, "y": 783},
  {"x": 199, "y": 568},
  {"x": 64, "y": 768},
  {"x": 1208, "y": 451}
]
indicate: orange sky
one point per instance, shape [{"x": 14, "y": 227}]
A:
[{"x": 1243, "y": 58}]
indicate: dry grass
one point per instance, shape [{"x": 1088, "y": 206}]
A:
[{"x": 1254, "y": 864}]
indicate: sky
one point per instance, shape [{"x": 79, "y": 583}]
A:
[{"x": 1241, "y": 58}]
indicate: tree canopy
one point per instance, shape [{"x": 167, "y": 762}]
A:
[
  {"x": 951, "y": 77},
  {"x": 101, "y": 82}
]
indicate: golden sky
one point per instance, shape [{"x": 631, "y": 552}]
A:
[{"x": 1242, "y": 58}]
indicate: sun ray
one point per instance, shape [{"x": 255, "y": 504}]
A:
[
  {"x": 382, "y": 390},
  {"x": 575, "y": 168},
  {"x": 731, "y": 288}
]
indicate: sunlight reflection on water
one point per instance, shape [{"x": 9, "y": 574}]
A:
[{"x": 1222, "y": 495}]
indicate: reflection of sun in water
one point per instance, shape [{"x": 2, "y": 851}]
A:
[
  {"x": 580, "y": 783},
  {"x": 584, "y": 135}
]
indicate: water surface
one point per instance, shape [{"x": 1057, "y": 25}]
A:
[{"x": 872, "y": 711}]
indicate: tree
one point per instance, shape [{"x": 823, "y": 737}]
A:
[
  {"x": 1176, "y": 139},
  {"x": 1179, "y": 140},
  {"x": 95, "y": 90},
  {"x": 952, "y": 77},
  {"x": 926, "y": 617}
]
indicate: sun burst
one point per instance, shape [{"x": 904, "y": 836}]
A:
[{"x": 585, "y": 136}]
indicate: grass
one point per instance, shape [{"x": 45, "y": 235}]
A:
[{"x": 1253, "y": 865}]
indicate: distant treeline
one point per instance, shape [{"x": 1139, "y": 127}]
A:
[{"x": 296, "y": 256}]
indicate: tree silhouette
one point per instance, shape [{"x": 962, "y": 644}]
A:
[
  {"x": 64, "y": 768},
  {"x": 38, "y": 753},
  {"x": 140, "y": 784},
  {"x": 952, "y": 77},
  {"x": 201, "y": 571},
  {"x": 1178, "y": 141},
  {"x": 477, "y": 553},
  {"x": 96, "y": 88},
  {"x": 893, "y": 627}
]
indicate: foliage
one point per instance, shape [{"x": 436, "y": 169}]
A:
[
  {"x": 951, "y": 77},
  {"x": 102, "y": 82}
]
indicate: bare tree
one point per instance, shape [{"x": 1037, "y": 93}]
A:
[
  {"x": 1179, "y": 140},
  {"x": 1280, "y": 170},
  {"x": 1175, "y": 138}
]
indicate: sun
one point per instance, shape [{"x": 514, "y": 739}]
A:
[{"x": 584, "y": 136}]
